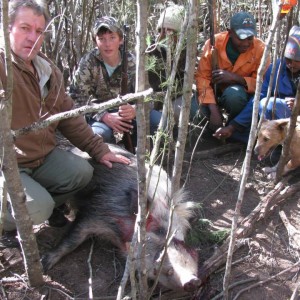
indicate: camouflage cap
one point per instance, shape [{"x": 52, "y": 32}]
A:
[{"x": 107, "y": 22}]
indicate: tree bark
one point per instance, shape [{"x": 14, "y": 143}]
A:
[
  {"x": 81, "y": 111},
  {"x": 246, "y": 164},
  {"x": 191, "y": 55},
  {"x": 11, "y": 174}
]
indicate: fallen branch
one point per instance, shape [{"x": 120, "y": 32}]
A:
[
  {"x": 218, "y": 151},
  {"x": 293, "y": 233},
  {"x": 279, "y": 194},
  {"x": 235, "y": 285},
  {"x": 262, "y": 282},
  {"x": 295, "y": 293},
  {"x": 20, "y": 260},
  {"x": 90, "y": 281},
  {"x": 81, "y": 111}
]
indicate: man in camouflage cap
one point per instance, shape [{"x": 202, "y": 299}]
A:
[
  {"x": 109, "y": 23},
  {"x": 98, "y": 77}
]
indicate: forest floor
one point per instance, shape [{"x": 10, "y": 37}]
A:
[{"x": 214, "y": 183}]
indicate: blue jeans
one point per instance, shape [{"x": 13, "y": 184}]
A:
[
  {"x": 281, "y": 110},
  {"x": 102, "y": 129},
  {"x": 177, "y": 105}
]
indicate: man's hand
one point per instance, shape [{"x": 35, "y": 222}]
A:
[
  {"x": 290, "y": 102},
  {"x": 117, "y": 122},
  {"x": 127, "y": 112},
  {"x": 215, "y": 119},
  {"x": 224, "y": 132},
  {"x": 110, "y": 157},
  {"x": 227, "y": 78}
]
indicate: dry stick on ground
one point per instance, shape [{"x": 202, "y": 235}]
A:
[
  {"x": 221, "y": 182},
  {"x": 262, "y": 282},
  {"x": 278, "y": 195},
  {"x": 295, "y": 293},
  {"x": 193, "y": 153},
  {"x": 235, "y": 285},
  {"x": 90, "y": 283},
  {"x": 246, "y": 165},
  {"x": 227, "y": 148},
  {"x": 293, "y": 233}
]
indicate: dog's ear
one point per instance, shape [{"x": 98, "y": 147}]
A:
[{"x": 282, "y": 123}]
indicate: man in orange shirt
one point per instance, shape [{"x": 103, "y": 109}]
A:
[{"x": 233, "y": 83}]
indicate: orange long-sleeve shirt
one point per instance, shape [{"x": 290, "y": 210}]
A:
[{"x": 246, "y": 66}]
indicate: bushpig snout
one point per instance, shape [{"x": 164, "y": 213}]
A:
[{"x": 177, "y": 268}]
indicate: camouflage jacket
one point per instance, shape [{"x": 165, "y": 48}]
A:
[{"x": 91, "y": 81}]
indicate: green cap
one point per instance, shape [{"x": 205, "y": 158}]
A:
[
  {"x": 107, "y": 22},
  {"x": 243, "y": 25}
]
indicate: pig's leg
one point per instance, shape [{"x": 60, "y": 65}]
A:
[{"x": 76, "y": 236}]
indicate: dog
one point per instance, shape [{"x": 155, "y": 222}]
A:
[{"x": 273, "y": 133}]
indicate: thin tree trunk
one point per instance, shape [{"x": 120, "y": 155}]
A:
[
  {"x": 191, "y": 54},
  {"x": 141, "y": 32},
  {"x": 11, "y": 174},
  {"x": 246, "y": 164}
]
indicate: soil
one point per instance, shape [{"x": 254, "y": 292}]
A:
[{"x": 214, "y": 183}]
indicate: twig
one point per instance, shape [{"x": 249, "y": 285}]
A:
[
  {"x": 295, "y": 293},
  {"x": 293, "y": 233},
  {"x": 193, "y": 153},
  {"x": 3, "y": 292},
  {"x": 260, "y": 283},
  {"x": 221, "y": 182},
  {"x": 90, "y": 281},
  {"x": 82, "y": 110},
  {"x": 160, "y": 260},
  {"x": 234, "y": 285},
  {"x": 11, "y": 265},
  {"x": 124, "y": 280},
  {"x": 204, "y": 154},
  {"x": 234, "y": 263},
  {"x": 62, "y": 292}
]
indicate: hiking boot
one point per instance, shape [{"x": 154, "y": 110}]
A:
[
  {"x": 9, "y": 240},
  {"x": 58, "y": 219}
]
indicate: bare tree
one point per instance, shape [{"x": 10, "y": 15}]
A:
[
  {"x": 11, "y": 174},
  {"x": 246, "y": 164}
]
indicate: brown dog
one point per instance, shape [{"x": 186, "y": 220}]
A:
[{"x": 272, "y": 134}]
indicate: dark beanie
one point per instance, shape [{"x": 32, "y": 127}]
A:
[{"x": 292, "y": 49}]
